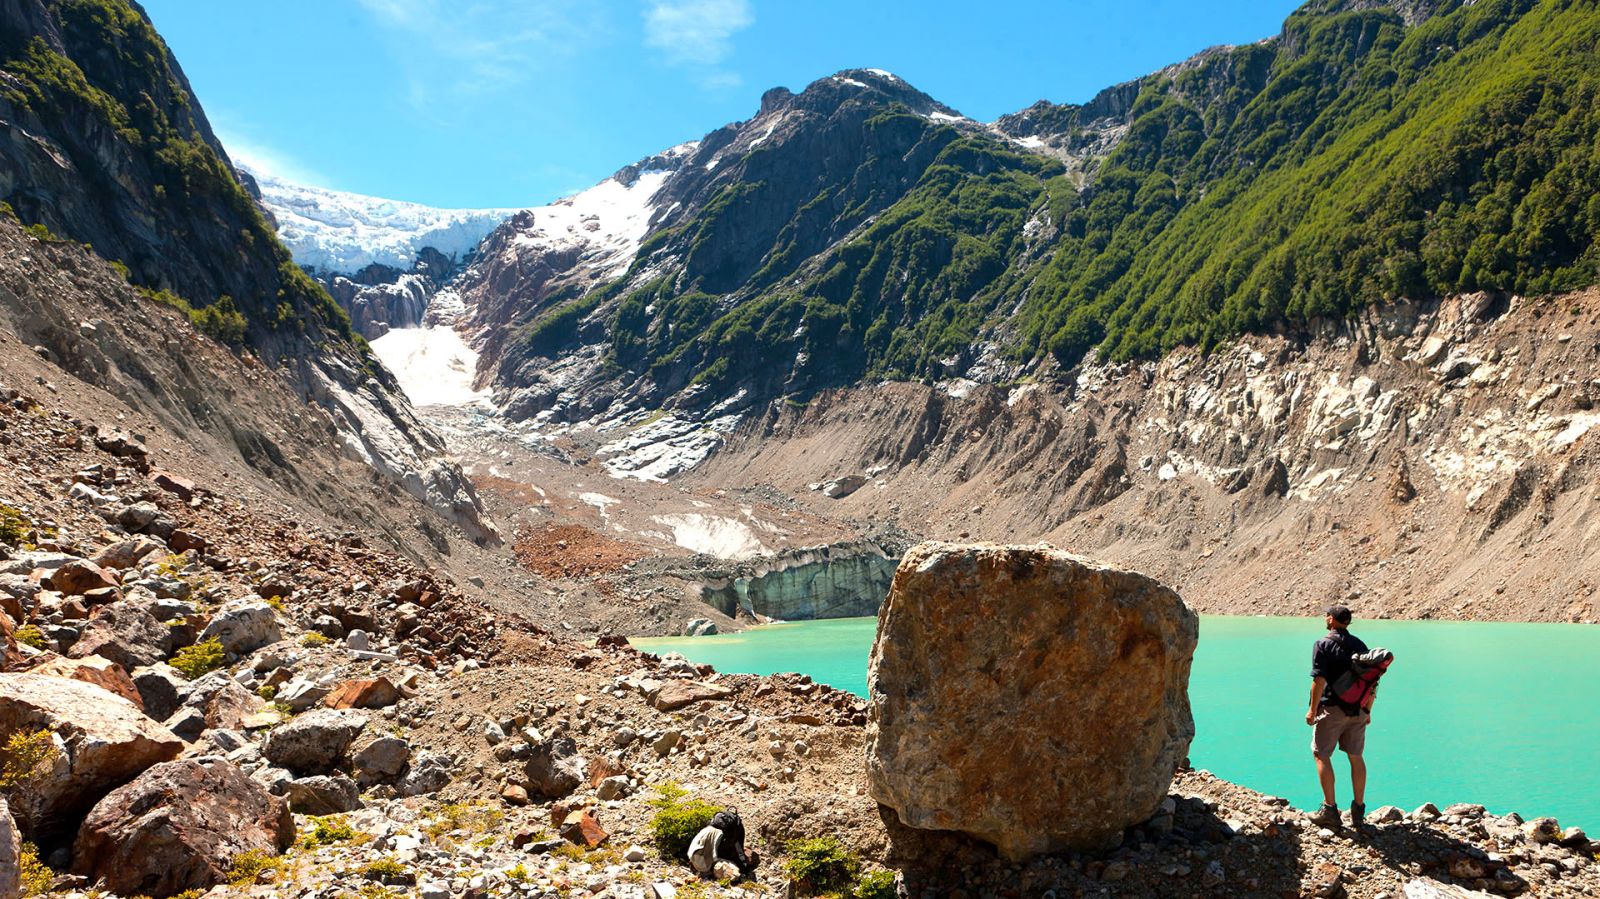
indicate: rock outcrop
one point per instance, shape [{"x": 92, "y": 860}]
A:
[
  {"x": 1026, "y": 696},
  {"x": 177, "y": 827},
  {"x": 102, "y": 742}
]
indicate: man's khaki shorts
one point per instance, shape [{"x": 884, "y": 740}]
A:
[{"x": 1335, "y": 728}]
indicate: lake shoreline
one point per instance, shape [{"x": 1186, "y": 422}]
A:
[{"x": 1259, "y": 709}]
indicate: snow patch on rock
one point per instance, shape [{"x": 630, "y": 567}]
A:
[
  {"x": 606, "y": 222},
  {"x": 433, "y": 364},
  {"x": 725, "y": 538},
  {"x": 665, "y": 447}
]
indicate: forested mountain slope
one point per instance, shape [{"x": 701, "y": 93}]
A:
[{"x": 859, "y": 230}]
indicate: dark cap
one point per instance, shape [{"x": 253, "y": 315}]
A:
[{"x": 1339, "y": 613}]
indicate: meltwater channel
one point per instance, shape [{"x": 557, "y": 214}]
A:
[{"x": 1505, "y": 715}]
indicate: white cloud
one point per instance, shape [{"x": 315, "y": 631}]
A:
[
  {"x": 259, "y": 157},
  {"x": 456, "y": 49},
  {"x": 698, "y": 34}
]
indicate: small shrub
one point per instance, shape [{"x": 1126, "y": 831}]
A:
[
  {"x": 518, "y": 873},
  {"x": 821, "y": 865},
  {"x": 14, "y": 526},
  {"x": 328, "y": 831},
  {"x": 31, "y": 635},
  {"x": 252, "y": 867},
  {"x": 874, "y": 885},
  {"x": 312, "y": 639},
  {"x": 383, "y": 869},
  {"x": 201, "y": 658},
  {"x": 40, "y": 232},
  {"x": 36, "y": 878},
  {"x": 677, "y": 819},
  {"x": 267, "y": 692},
  {"x": 24, "y": 754},
  {"x": 121, "y": 268},
  {"x": 471, "y": 817}
]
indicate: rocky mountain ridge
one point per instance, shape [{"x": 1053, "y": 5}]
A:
[
  {"x": 103, "y": 143},
  {"x": 922, "y": 244}
]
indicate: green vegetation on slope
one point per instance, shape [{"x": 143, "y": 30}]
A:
[
  {"x": 1350, "y": 161},
  {"x": 119, "y": 75},
  {"x": 1377, "y": 162},
  {"x": 907, "y": 290}
]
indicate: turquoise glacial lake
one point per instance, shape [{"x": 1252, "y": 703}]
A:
[{"x": 1505, "y": 715}]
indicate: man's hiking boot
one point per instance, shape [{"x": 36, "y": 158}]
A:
[
  {"x": 1358, "y": 814},
  {"x": 1327, "y": 816}
]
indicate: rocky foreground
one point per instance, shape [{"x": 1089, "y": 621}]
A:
[{"x": 206, "y": 696}]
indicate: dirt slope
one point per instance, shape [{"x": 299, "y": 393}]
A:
[{"x": 1421, "y": 461}]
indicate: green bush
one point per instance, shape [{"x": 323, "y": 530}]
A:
[
  {"x": 14, "y": 526},
  {"x": 23, "y": 755},
  {"x": 253, "y": 866},
  {"x": 312, "y": 639},
  {"x": 30, "y": 635},
  {"x": 201, "y": 658},
  {"x": 874, "y": 885},
  {"x": 384, "y": 869},
  {"x": 221, "y": 321},
  {"x": 677, "y": 819},
  {"x": 36, "y": 878},
  {"x": 821, "y": 865},
  {"x": 325, "y": 831}
]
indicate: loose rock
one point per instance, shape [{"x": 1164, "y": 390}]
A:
[{"x": 177, "y": 827}]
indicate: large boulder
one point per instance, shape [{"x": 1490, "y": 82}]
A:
[
  {"x": 126, "y": 633},
  {"x": 80, "y": 576},
  {"x": 125, "y": 554},
  {"x": 1028, "y": 697},
  {"x": 323, "y": 794},
  {"x": 381, "y": 759},
  {"x": 244, "y": 626},
  {"x": 162, "y": 689},
  {"x": 102, "y": 742},
  {"x": 554, "y": 769},
  {"x": 102, "y": 673},
  {"x": 314, "y": 742},
  {"x": 216, "y": 700},
  {"x": 364, "y": 693},
  {"x": 177, "y": 827}
]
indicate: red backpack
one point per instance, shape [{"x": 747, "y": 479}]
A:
[{"x": 1358, "y": 687}]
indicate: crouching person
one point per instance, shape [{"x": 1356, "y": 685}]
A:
[{"x": 718, "y": 850}]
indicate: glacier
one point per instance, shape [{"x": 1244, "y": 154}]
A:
[{"x": 339, "y": 232}]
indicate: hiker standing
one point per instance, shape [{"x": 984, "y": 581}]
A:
[{"x": 1335, "y": 722}]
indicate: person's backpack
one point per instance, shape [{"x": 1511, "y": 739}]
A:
[{"x": 1357, "y": 687}]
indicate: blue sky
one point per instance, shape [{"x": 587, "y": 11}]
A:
[{"x": 480, "y": 103}]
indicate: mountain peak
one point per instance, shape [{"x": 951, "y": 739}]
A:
[{"x": 845, "y": 85}]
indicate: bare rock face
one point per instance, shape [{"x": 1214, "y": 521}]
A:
[
  {"x": 1028, "y": 697},
  {"x": 102, "y": 741},
  {"x": 177, "y": 827}
]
